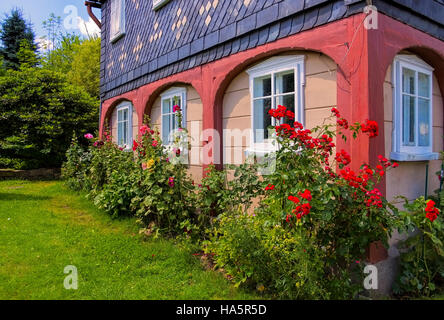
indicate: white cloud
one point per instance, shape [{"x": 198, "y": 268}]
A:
[{"x": 88, "y": 28}]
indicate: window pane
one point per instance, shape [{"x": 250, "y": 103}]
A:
[
  {"x": 262, "y": 86},
  {"x": 284, "y": 82},
  {"x": 166, "y": 106},
  {"x": 424, "y": 122},
  {"x": 120, "y": 133},
  {"x": 287, "y": 101},
  {"x": 120, "y": 115},
  {"x": 423, "y": 85},
  {"x": 125, "y": 114},
  {"x": 261, "y": 119},
  {"x": 165, "y": 128},
  {"x": 408, "y": 125},
  {"x": 174, "y": 122},
  {"x": 125, "y": 133},
  {"x": 408, "y": 81}
]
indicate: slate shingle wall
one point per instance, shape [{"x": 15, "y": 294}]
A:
[{"x": 187, "y": 33}]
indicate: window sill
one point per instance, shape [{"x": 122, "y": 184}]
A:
[
  {"x": 259, "y": 152},
  {"x": 117, "y": 38},
  {"x": 405, "y": 157},
  {"x": 157, "y": 4}
]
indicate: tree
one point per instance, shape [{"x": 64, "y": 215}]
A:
[
  {"x": 27, "y": 57},
  {"x": 63, "y": 54},
  {"x": 52, "y": 25},
  {"x": 85, "y": 68},
  {"x": 39, "y": 112},
  {"x": 14, "y": 29},
  {"x": 79, "y": 59}
]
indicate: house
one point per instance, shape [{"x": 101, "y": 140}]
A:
[{"x": 227, "y": 62}]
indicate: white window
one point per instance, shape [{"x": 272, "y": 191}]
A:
[
  {"x": 277, "y": 81},
  {"x": 117, "y": 23},
  {"x": 157, "y": 4},
  {"x": 170, "y": 98},
  {"x": 124, "y": 125},
  {"x": 412, "y": 110}
]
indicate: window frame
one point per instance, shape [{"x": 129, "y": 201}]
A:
[
  {"x": 399, "y": 151},
  {"x": 271, "y": 67},
  {"x": 121, "y": 30},
  {"x": 121, "y": 107},
  {"x": 170, "y": 94}
]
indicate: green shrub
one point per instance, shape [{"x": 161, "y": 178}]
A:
[
  {"x": 259, "y": 252},
  {"x": 115, "y": 177},
  {"x": 164, "y": 202},
  {"x": 217, "y": 193},
  {"x": 337, "y": 214},
  {"x": 422, "y": 254},
  {"x": 39, "y": 111},
  {"x": 75, "y": 170}
]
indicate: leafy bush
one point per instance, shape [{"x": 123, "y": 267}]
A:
[
  {"x": 422, "y": 254},
  {"x": 165, "y": 199},
  {"x": 259, "y": 252},
  {"x": 340, "y": 214},
  {"x": 116, "y": 178},
  {"x": 217, "y": 193},
  {"x": 39, "y": 111},
  {"x": 76, "y": 167}
]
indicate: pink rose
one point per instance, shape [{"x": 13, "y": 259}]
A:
[
  {"x": 89, "y": 136},
  {"x": 144, "y": 129}
]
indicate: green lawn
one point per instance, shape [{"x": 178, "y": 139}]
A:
[{"x": 44, "y": 227}]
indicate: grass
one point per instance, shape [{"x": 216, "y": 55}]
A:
[{"x": 45, "y": 227}]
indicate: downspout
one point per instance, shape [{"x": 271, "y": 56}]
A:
[{"x": 89, "y": 6}]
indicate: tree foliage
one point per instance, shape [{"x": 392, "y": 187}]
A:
[
  {"x": 79, "y": 59},
  {"x": 14, "y": 29},
  {"x": 39, "y": 111},
  {"x": 85, "y": 67},
  {"x": 45, "y": 99}
]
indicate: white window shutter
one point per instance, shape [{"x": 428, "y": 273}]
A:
[
  {"x": 113, "y": 18},
  {"x": 117, "y": 23}
]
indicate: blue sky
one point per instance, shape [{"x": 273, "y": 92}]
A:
[{"x": 36, "y": 11}]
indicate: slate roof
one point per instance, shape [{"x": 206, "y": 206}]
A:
[{"x": 187, "y": 33}]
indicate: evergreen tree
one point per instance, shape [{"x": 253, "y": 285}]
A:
[{"x": 13, "y": 30}]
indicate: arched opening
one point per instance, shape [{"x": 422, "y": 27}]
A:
[
  {"x": 122, "y": 121},
  {"x": 304, "y": 81},
  {"x": 160, "y": 111}
]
